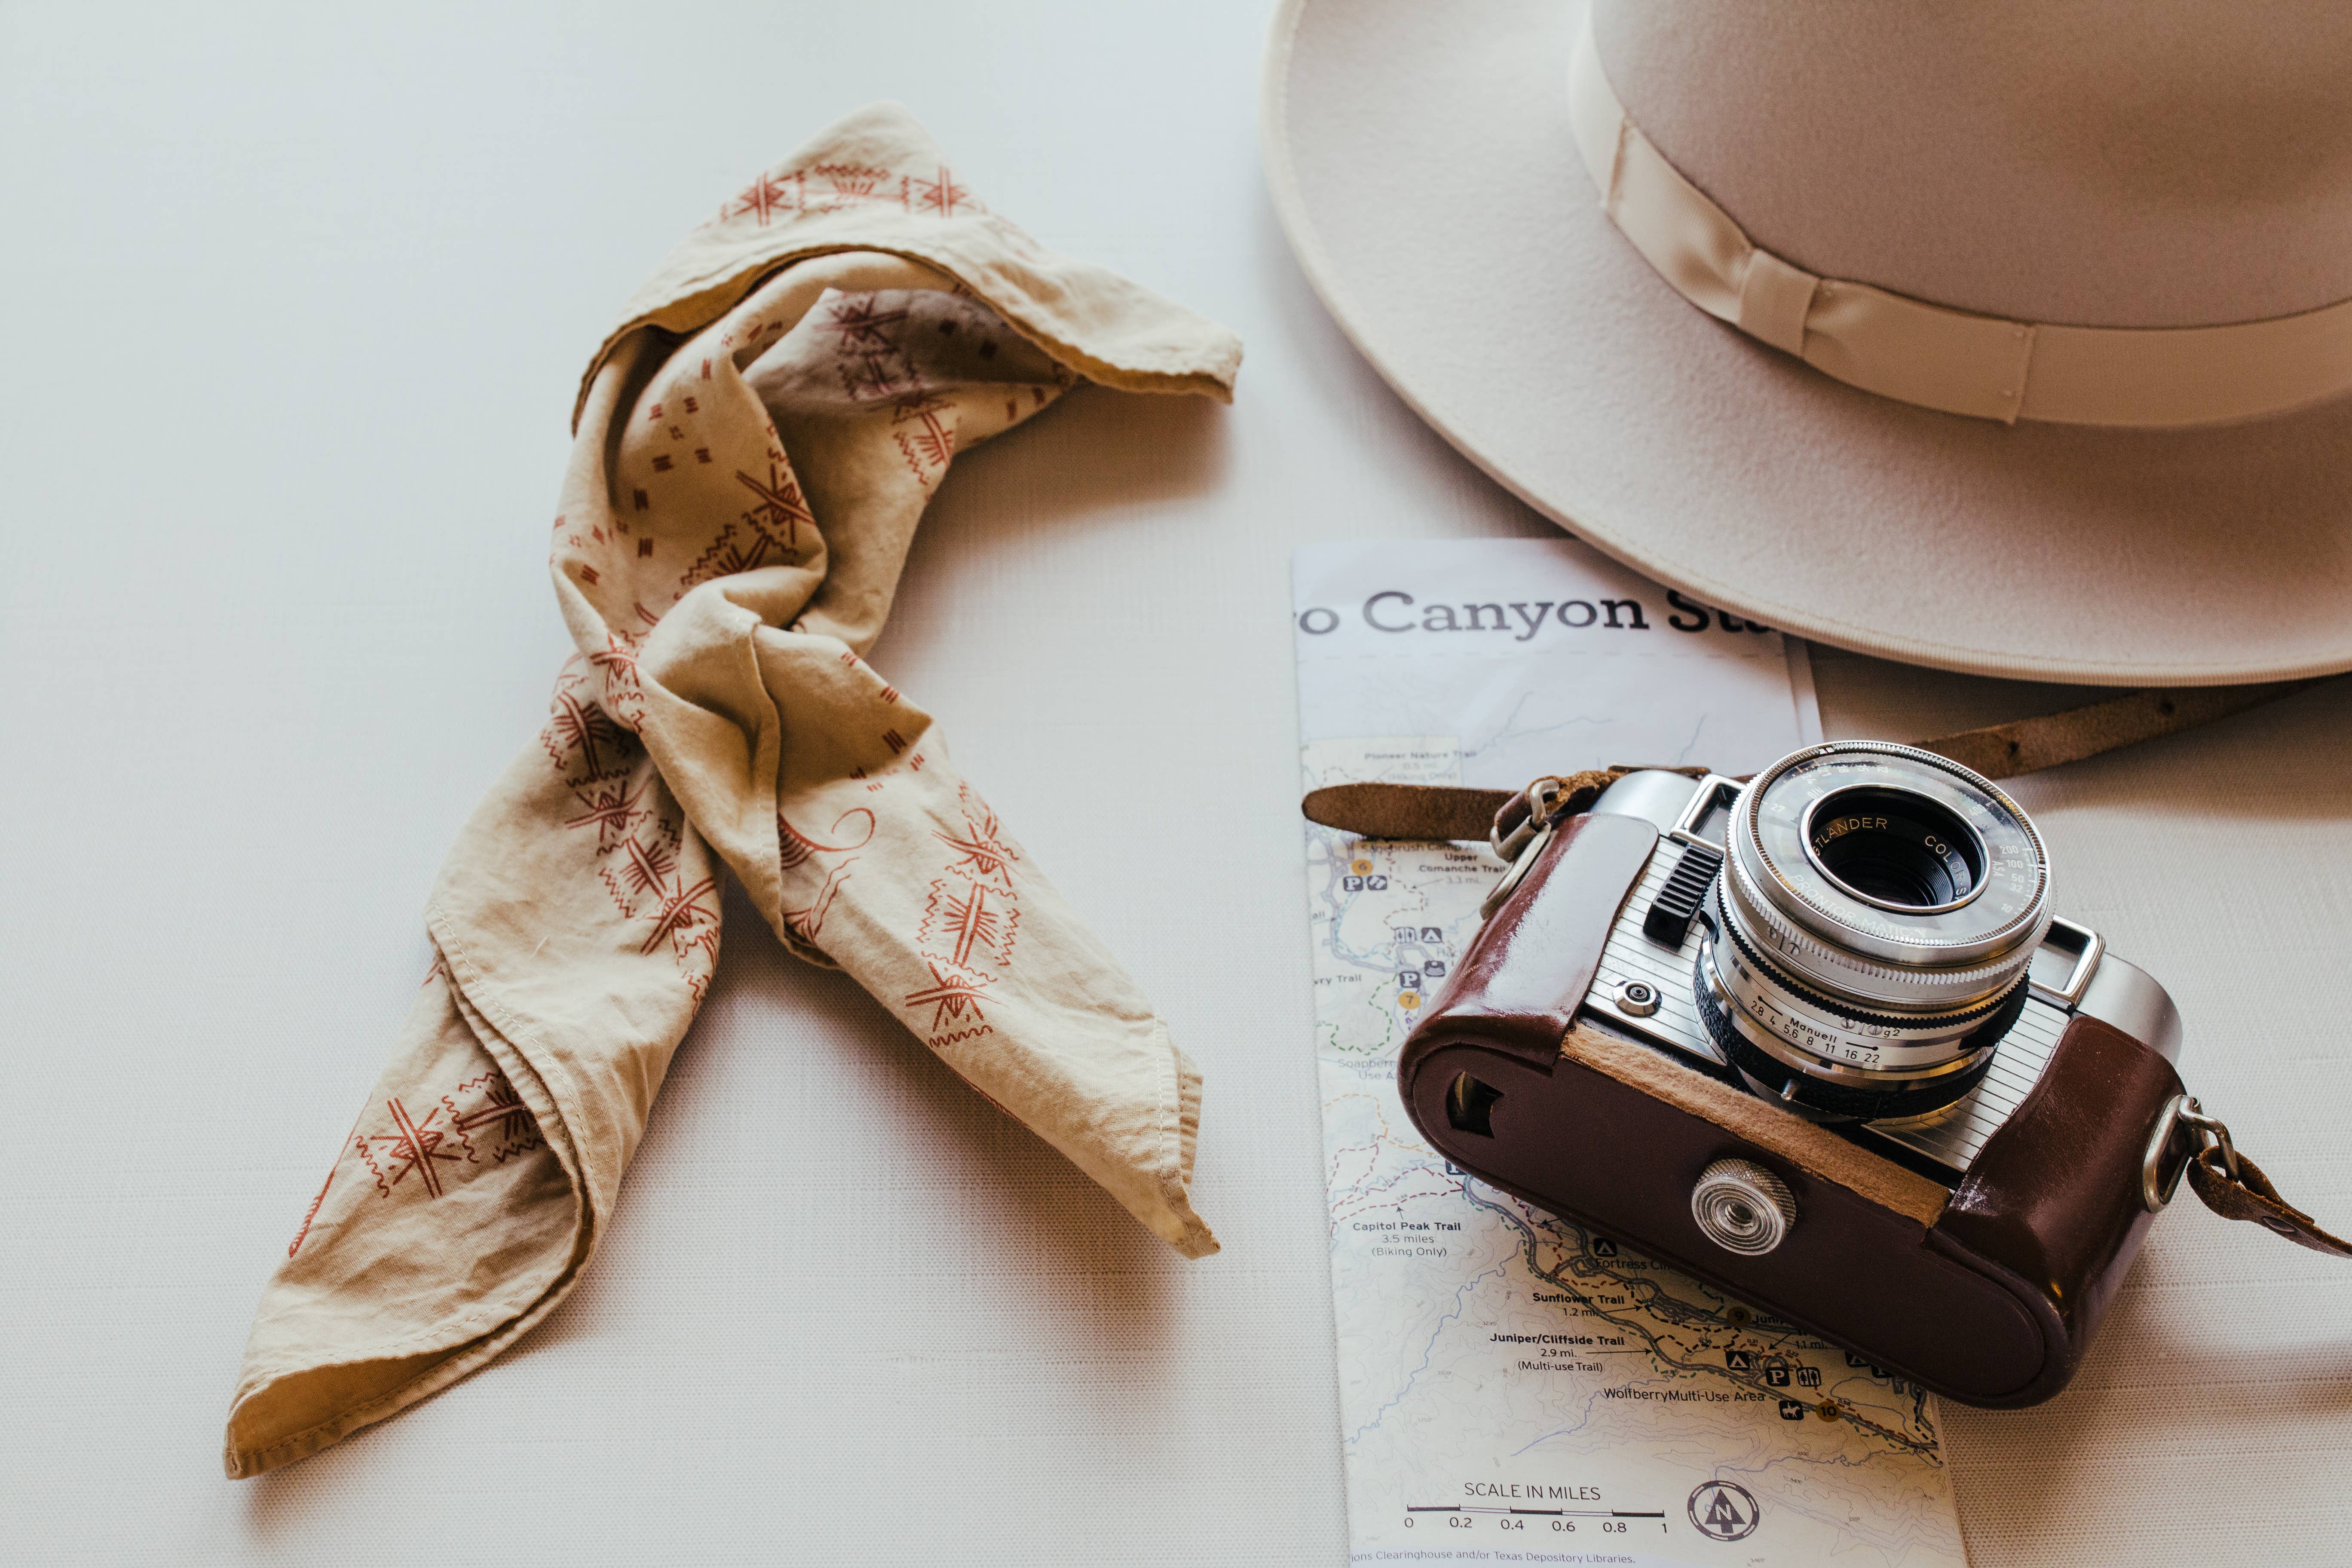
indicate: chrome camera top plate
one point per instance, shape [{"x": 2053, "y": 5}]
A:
[{"x": 1950, "y": 1138}]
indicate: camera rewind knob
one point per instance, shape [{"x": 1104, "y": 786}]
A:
[{"x": 1742, "y": 1207}]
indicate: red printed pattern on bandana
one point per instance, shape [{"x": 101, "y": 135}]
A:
[
  {"x": 970, "y": 921},
  {"x": 795, "y": 849},
  {"x": 623, "y": 698},
  {"x": 875, "y": 367},
  {"x": 640, "y": 832},
  {"x": 428, "y": 1147},
  {"x": 580, "y": 738},
  {"x": 822, "y": 188},
  {"x": 941, "y": 197},
  {"x": 780, "y": 503},
  {"x": 648, "y": 883},
  {"x": 767, "y": 533},
  {"x": 410, "y": 1145},
  {"x": 491, "y": 1108},
  {"x": 950, "y": 996},
  {"x": 930, "y": 443},
  {"x": 296, "y": 1245},
  {"x": 613, "y": 811}
]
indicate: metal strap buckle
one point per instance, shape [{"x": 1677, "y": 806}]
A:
[
  {"x": 1539, "y": 797},
  {"x": 1524, "y": 845},
  {"x": 2155, "y": 1188},
  {"x": 2212, "y": 1134}
]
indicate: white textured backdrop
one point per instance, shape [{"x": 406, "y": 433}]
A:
[{"x": 295, "y": 300}]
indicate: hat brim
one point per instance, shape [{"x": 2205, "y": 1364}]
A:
[{"x": 1422, "y": 163}]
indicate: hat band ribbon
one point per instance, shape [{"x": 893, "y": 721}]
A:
[{"x": 1957, "y": 361}]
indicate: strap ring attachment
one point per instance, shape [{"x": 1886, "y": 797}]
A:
[
  {"x": 2211, "y": 1135},
  {"x": 2156, "y": 1188},
  {"x": 1541, "y": 798},
  {"x": 1524, "y": 845}
]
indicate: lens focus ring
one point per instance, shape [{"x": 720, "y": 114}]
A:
[
  {"x": 1871, "y": 926},
  {"x": 1871, "y": 982},
  {"x": 1795, "y": 860}
]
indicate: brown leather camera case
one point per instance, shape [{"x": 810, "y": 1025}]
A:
[{"x": 1986, "y": 1293}]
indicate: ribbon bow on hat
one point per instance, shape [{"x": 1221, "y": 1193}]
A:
[{"x": 755, "y": 444}]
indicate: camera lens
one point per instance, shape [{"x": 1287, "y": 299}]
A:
[
  {"x": 1895, "y": 848},
  {"x": 1871, "y": 930}
]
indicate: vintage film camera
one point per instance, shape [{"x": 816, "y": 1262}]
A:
[{"x": 1819, "y": 1039}]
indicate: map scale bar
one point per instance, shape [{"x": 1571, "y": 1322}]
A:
[{"x": 1542, "y": 1512}]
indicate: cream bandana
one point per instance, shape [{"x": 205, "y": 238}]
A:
[{"x": 755, "y": 444}]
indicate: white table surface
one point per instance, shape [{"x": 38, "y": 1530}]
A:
[{"x": 296, "y": 300}]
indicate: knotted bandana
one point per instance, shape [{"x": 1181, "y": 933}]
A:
[{"x": 755, "y": 444}]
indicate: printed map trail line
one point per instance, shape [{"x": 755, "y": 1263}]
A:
[{"x": 1647, "y": 1296}]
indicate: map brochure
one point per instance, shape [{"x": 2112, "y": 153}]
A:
[{"x": 1515, "y": 1388}]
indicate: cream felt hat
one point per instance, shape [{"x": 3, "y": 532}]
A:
[{"x": 2008, "y": 337}]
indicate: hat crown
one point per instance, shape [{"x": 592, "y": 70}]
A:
[{"x": 2092, "y": 162}]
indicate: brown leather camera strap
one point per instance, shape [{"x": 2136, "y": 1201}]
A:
[
  {"x": 2230, "y": 1185},
  {"x": 2028, "y": 745},
  {"x": 1428, "y": 811},
  {"x": 1996, "y": 751},
  {"x": 2249, "y": 1196}
]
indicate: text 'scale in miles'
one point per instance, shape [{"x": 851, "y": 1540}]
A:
[{"x": 1511, "y": 1384}]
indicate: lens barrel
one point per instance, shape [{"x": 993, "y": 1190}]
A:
[{"x": 1871, "y": 930}]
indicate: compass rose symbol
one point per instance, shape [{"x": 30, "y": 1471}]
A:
[{"x": 1724, "y": 1510}]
